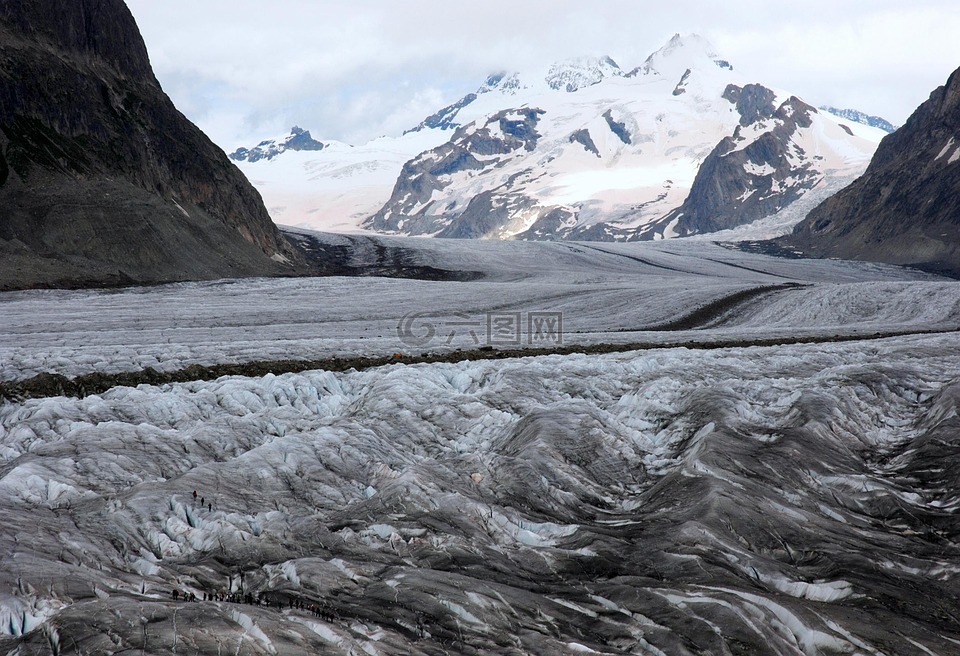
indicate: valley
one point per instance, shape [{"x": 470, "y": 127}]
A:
[{"x": 660, "y": 360}]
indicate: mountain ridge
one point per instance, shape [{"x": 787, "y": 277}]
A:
[
  {"x": 638, "y": 126},
  {"x": 861, "y": 117},
  {"x": 626, "y": 159}
]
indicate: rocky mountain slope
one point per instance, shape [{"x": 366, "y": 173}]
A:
[
  {"x": 754, "y": 173},
  {"x": 102, "y": 180},
  {"x": 904, "y": 209}
]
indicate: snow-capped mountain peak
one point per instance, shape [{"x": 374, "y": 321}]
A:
[
  {"x": 682, "y": 53},
  {"x": 568, "y": 76},
  {"x": 678, "y": 60},
  {"x": 574, "y": 74}
]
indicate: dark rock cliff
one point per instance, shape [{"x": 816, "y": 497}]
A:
[
  {"x": 743, "y": 179},
  {"x": 905, "y": 209},
  {"x": 102, "y": 180}
]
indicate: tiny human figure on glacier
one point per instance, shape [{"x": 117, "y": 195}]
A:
[{"x": 194, "y": 495}]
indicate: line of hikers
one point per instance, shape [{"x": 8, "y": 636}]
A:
[
  {"x": 252, "y": 599},
  {"x": 208, "y": 504}
]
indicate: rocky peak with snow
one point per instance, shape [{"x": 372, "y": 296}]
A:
[
  {"x": 760, "y": 169},
  {"x": 508, "y": 83},
  {"x": 680, "y": 58},
  {"x": 569, "y": 76},
  {"x": 298, "y": 139},
  {"x": 754, "y": 102}
]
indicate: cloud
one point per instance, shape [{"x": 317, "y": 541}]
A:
[{"x": 245, "y": 69}]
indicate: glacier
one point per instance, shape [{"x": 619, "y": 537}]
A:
[
  {"x": 707, "y": 498},
  {"x": 608, "y": 293}
]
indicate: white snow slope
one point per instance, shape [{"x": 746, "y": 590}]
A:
[{"x": 338, "y": 187}]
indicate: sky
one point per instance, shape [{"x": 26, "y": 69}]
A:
[{"x": 353, "y": 70}]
